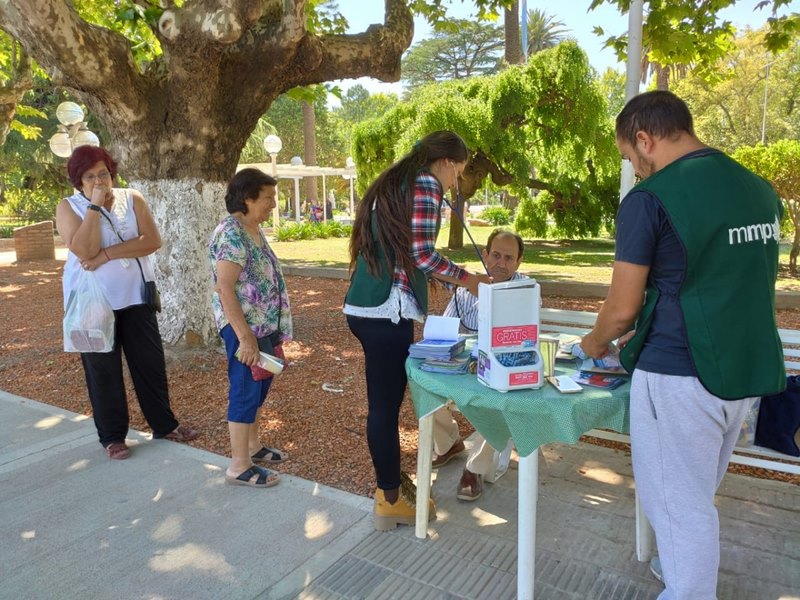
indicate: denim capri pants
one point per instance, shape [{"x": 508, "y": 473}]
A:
[{"x": 245, "y": 395}]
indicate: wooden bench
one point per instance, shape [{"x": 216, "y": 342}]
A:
[{"x": 581, "y": 322}]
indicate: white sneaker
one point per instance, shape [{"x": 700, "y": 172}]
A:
[{"x": 655, "y": 568}]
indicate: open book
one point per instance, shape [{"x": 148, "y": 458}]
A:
[{"x": 440, "y": 339}]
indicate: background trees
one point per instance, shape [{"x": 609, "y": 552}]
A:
[{"x": 471, "y": 48}]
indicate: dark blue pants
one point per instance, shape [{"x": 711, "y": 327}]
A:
[
  {"x": 136, "y": 334},
  {"x": 385, "y": 351}
]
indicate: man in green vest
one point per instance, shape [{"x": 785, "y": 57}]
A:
[{"x": 695, "y": 269}]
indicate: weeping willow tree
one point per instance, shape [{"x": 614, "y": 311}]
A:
[{"x": 541, "y": 130}]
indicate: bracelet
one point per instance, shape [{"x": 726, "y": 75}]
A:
[
  {"x": 94, "y": 207},
  {"x": 107, "y": 256}
]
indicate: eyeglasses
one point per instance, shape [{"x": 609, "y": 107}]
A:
[{"x": 104, "y": 176}]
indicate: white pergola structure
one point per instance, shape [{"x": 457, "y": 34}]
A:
[{"x": 298, "y": 172}]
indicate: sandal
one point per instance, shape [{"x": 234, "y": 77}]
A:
[
  {"x": 117, "y": 451},
  {"x": 265, "y": 479},
  {"x": 270, "y": 455},
  {"x": 182, "y": 433}
]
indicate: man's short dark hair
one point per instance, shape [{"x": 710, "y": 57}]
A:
[
  {"x": 246, "y": 185},
  {"x": 661, "y": 114},
  {"x": 496, "y": 232}
]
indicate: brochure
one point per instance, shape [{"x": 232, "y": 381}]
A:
[{"x": 599, "y": 380}]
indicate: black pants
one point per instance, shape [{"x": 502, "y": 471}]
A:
[
  {"x": 385, "y": 351},
  {"x": 135, "y": 333}
]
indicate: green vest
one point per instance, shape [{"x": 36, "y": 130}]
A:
[
  {"x": 368, "y": 290},
  {"x": 728, "y": 220}
]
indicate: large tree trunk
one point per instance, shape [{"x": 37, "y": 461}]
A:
[
  {"x": 179, "y": 125},
  {"x": 513, "y": 37},
  {"x": 456, "y": 238},
  {"x": 310, "y": 148},
  {"x": 187, "y": 211}
]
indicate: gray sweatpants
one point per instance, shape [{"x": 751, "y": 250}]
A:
[{"x": 682, "y": 438}]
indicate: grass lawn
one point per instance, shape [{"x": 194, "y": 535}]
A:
[{"x": 587, "y": 261}]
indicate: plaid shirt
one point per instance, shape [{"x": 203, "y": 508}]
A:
[{"x": 424, "y": 229}]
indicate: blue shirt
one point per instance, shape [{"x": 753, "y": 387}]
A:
[{"x": 645, "y": 236}]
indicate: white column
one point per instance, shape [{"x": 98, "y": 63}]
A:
[
  {"x": 297, "y": 199},
  {"x": 527, "y": 496},
  {"x": 633, "y": 77}
]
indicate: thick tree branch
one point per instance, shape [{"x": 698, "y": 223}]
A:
[{"x": 376, "y": 52}]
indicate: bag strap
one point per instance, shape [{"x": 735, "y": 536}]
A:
[{"x": 114, "y": 229}]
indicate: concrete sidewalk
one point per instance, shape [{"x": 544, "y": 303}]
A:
[{"x": 163, "y": 525}]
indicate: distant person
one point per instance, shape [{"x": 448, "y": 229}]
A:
[
  {"x": 329, "y": 204},
  {"x": 251, "y": 309},
  {"x": 392, "y": 255},
  {"x": 109, "y": 230},
  {"x": 503, "y": 256},
  {"x": 695, "y": 266}
]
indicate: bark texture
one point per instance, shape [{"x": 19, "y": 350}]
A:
[{"x": 180, "y": 123}]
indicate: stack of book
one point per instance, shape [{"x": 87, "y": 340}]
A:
[
  {"x": 456, "y": 366},
  {"x": 440, "y": 339},
  {"x": 438, "y": 349}
]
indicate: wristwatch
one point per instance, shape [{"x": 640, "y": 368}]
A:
[{"x": 94, "y": 207}]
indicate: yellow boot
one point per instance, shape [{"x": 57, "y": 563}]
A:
[{"x": 403, "y": 512}]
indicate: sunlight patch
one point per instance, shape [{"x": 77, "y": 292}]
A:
[
  {"x": 603, "y": 475},
  {"x": 317, "y": 525},
  {"x": 192, "y": 557},
  {"x": 485, "y": 519},
  {"x": 78, "y": 465},
  {"x": 48, "y": 422},
  {"x": 169, "y": 529}
]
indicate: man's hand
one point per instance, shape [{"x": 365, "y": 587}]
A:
[
  {"x": 592, "y": 347},
  {"x": 624, "y": 339}
]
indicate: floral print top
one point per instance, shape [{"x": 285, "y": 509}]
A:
[{"x": 260, "y": 288}]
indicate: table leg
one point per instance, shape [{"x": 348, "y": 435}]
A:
[
  {"x": 424, "y": 468},
  {"x": 526, "y": 524},
  {"x": 644, "y": 533}
]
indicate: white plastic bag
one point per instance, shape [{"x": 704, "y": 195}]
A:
[{"x": 89, "y": 318}]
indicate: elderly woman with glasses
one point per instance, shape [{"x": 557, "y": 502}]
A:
[{"x": 111, "y": 232}]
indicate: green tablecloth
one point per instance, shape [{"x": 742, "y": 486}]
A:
[{"x": 529, "y": 417}]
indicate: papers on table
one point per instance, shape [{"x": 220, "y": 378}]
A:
[
  {"x": 599, "y": 380},
  {"x": 456, "y": 366},
  {"x": 440, "y": 339}
]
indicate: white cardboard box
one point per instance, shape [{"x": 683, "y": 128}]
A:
[{"x": 508, "y": 321}]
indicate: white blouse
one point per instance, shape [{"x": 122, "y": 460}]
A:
[{"x": 119, "y": 278}]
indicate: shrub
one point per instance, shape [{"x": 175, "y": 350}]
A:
[
  {"x": 32, "y": 205},
  {"x": 292, "y": 232},
  {"x": 496, "y": 215}
]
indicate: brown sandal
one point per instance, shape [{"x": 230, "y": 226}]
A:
[
  {"x": 182, "y": 433},
  {"x": 117, "y": 451}
]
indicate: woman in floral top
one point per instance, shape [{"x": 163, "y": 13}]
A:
[{"x": 250, "y": 303}]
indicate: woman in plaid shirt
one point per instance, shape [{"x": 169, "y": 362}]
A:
[{"x": 392, "y": 256}]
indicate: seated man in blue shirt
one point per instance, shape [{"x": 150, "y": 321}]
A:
[{"x": 502, "y": 255}]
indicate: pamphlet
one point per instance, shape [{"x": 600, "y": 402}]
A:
[{"x": 599, "y": 380}]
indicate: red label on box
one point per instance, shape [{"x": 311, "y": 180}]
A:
[
  {"x": 514, "y": 335},
  {"x": 528, "y": 377}
]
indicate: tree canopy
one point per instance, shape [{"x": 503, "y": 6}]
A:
[
  {"x": 779, "y": 163},
  {"x": 541, "y": 126}
]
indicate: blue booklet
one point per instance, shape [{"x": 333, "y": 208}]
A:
[{"x": 599, "y": 380}]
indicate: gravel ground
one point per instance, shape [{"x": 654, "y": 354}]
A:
[{"x": 323, "y": 431}]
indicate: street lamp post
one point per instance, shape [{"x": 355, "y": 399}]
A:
[
  {"x": 350, "y": 164},
  {"x": 273, "y": 145},
  {"x": 72, "y": 131},
  {"x": 296, "y": 162}
]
